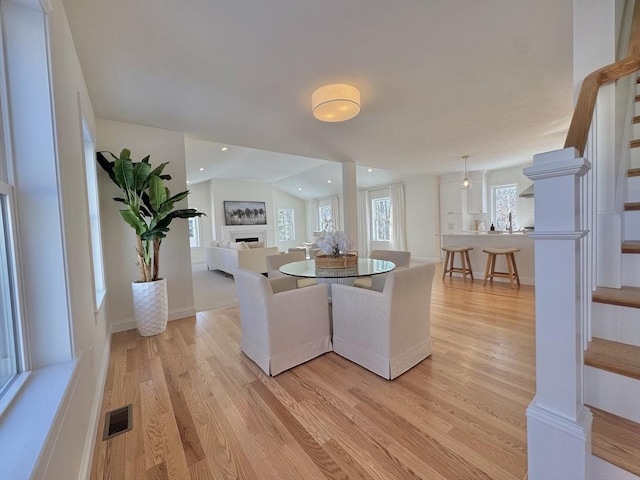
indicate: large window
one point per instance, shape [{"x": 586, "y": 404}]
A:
[
  {"x": 286, "y": 227},
  {"x": 504, "y": 201},
  {"x": 381, "y": 219},
  {"x": 324, "y": 216},
  {"x": 9, "y": 341},
  {"x": 194, "y": 232},
  {"x": 94, "y": 216}
]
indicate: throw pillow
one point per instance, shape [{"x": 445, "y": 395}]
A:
[
  {"x": 214, "y": 243},
  {"x": 239, "y": 246},
  {"x": 255, "y": 244},
  {"x": 224, "y": 243}
]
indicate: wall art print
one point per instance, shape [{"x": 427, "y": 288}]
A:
[{"x": 245, "y": 213}]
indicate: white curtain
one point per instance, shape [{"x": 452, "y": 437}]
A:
[
  {"x": 316, "y": 218},
  {"x": 398, "y": 231},
  {"x": 335, "y": 212},
  {"x": 364, "y": 223}
]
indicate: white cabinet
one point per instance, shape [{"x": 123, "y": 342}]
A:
[
  {"x": 450, "y": 198},
  {"x": 450, "y": 223},
  {"x": 476, "y": 195}
]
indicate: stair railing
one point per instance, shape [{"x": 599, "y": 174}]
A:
[{"x": 558, "y": 423}]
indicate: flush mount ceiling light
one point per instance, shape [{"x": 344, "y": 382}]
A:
[
  {"x": 336, "y": 102},
  {"x": 466, "y": 183}
]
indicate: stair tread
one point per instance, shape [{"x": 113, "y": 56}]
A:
[
  {"x": 616, "y": 357},
  {"x": 632, "y": 206},
  {"x": 633, "y": 172},
  {"x": 631, "y": 246},
  {"x": 615, "y": 439},
  {"x": 625, "y": 296}
]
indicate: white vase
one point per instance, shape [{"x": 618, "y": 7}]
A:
[{"x": 150, "y": 306}]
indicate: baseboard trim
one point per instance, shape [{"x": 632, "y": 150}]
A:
[{"x": 130, "y": 323}]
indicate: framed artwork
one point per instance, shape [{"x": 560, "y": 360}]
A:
[{"x": 245, "y": 213}]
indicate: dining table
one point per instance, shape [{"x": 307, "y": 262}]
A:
[{"x": 365, "y": 267}]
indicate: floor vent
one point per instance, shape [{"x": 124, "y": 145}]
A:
[{"x": 117, "y": 421}]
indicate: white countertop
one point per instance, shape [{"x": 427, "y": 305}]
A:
[{"x": 489, "y": 234}]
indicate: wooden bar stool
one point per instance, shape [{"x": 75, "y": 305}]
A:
[
  {"x": 490, "y": 270},
  {"x": 464, "y": 260}
]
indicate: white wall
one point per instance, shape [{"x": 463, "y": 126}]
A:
[
  {"x": 68, "y": 448},
  {"x": 422, "y": 216},
  {"x": 284, "y": 200},
  {"x": 200, "y": 199},
  {"x": 222, "y": 190},
  {"x": 119, "y": 237}
]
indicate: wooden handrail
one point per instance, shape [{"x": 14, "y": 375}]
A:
[{"x": 583, "y": 113}]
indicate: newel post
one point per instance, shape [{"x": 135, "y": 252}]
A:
[{"x": 558, "y": 423}]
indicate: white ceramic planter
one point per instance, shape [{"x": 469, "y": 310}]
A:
[{"x": 150, "y": 306}]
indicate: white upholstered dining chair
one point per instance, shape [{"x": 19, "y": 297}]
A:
[
  {"x": 401, "y": 259},
  {"x": 386, "y": 332},
  {"x": 284, "y": 329},
  {"x": 274, "y": 262}
]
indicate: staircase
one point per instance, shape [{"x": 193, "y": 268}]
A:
[{"x": 612, "y": 359}]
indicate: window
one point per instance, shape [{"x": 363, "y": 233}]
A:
[
  {"x": 381, "y": 219},
  {"x": 9, "y": 359},
  {"x": 324, "y": 216},
  {"x": 286, "y": 227},
  {"x": 94, "y": 216},
  {"x": 504, "y": 200},
  {"x": 194, "y": 232}
]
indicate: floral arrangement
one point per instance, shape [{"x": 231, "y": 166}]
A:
[{"x": 334, "y": 242}]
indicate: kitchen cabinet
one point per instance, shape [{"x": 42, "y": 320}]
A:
[
  {"x": 477, "y": 194},
  {"x": 450, "y": 223},
  {"x": 450, "y": 198}
]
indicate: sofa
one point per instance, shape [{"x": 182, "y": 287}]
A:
[{"x": 227, "y": 256}]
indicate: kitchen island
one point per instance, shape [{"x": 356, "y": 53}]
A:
[{"x": 480, "y": 240}]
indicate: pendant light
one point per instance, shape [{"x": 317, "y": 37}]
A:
[{"x": 466, "y": 183}]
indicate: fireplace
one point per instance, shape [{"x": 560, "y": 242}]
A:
[
  {"x": 244, "y": 233},
  {"x": 247, "y": 239}
]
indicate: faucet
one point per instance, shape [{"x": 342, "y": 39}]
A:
[{"x": 510, "y": 223}]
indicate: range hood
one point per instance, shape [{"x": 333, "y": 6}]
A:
[{"x": 527, "y": 192}]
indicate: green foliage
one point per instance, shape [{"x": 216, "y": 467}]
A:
[{"x": 149, "y": 206}]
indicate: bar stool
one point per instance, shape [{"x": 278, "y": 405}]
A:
[
  {"x": 490, "y": 270},
  {"x": 464, "y": 260}
]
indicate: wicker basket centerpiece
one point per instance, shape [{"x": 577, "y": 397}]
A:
[{"x": 345, "y": 260}]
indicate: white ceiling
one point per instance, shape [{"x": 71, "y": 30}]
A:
[{"x": 438, "y": 78}]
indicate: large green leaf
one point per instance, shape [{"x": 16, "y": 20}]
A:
[
  {"x": 123, "y": 170},
  {"x": 106, "y": 165},
  {"x": 141, "y": 172},
  {"x": 157, "y": 192},
  {"x": 134, "y": 220}
]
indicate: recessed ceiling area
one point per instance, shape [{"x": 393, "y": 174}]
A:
[{"x": 438, "y": 79}]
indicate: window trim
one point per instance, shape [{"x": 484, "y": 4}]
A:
[{"x": 197, "y": 236}]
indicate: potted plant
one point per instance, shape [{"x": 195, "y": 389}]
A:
[{"x": 149, "y": 209}]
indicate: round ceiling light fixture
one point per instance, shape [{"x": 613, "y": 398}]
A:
[{"x": 336, "y": 102}]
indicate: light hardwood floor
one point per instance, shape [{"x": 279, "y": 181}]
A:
[{"x": 203, "y": 410}]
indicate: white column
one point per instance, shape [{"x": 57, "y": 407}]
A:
[
  {"x": 558, "y": 424},
  {"x": 350, "y": 200}
]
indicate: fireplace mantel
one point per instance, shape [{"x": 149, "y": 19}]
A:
[{"x": 240, "y": 231}]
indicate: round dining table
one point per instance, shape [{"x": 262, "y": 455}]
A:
[{"x": 366, "y": 267}]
